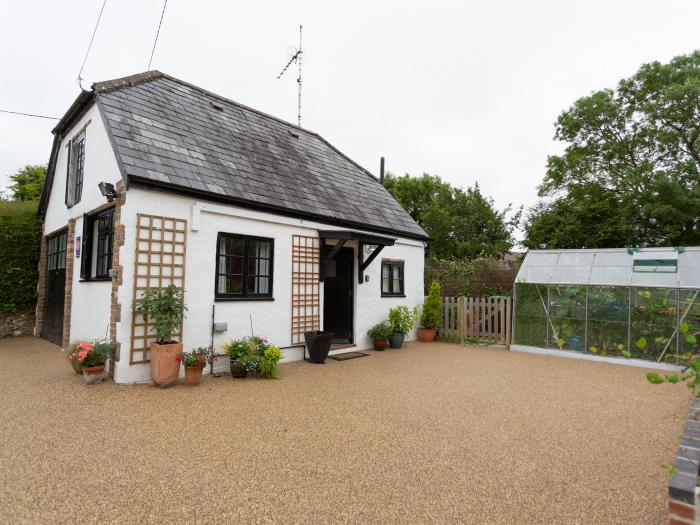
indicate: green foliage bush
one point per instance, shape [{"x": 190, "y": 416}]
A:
[
  {"x": 20, "y": 240},
  {"x": 165, "y": 308},
  {"x": 379, "y": 331},
  {"x": 480, "y": 277},
  {"x": 402, "y": 319},
  {"x": 430, "y": 318}
]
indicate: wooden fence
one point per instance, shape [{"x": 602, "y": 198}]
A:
[{"x": 472, "y": 319}]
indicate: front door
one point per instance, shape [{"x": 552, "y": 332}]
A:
[
  {"x": 52, "y": 329},
  {"x": 337, "y": 296}
]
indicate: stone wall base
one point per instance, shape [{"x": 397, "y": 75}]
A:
[{"x": 15, "y": 324}]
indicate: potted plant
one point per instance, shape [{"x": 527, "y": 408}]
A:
[
  {"x": 401, "y": 321},
  {"x": 268, "y": 364},
  {"x": 194, "y": 362},
  {"x": 318, "y": 344},
  {"x": 240, "y": 354},
  {"x": 166, "y": 309},
  {"x": 245, "y": 354},
  {"x": 92, "y": 357},
  {"x": 378, "y": 333},
  {"x": 430, "y": 317}
]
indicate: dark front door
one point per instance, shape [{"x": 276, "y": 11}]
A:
[
  {"x": 55, "y": 287},
  {"x": 337, "y": 296}
]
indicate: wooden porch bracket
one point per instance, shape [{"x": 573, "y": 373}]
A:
[{"x": 363, "y": 264}]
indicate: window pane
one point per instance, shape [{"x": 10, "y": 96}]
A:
[
  {"x": 259, "y": 248},
  {"x": 252, "y": 285},
  {"x": 232, "y": 284},
  {"x": 229, "y": 245},
  {"x": 263, "y": 285}
]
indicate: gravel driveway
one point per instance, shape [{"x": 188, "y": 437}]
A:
[{"x": 428, "y": 433}]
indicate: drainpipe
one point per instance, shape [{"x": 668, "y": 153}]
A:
[{"x": 381, "y": 171}]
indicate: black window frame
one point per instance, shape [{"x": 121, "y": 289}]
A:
[
  {"x": 244, "y": 295},
  {"x": 392, "y": 264},
  {"x": 74, "y": 197},
  {"x": 56, "y": 251},
  {"x": 103, "y": 247}
]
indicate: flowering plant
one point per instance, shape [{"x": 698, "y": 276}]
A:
[
  {"x": 247, "y": 352},
  {"x": 199, "y": 356},
  {"x": 92, "y": 353}
]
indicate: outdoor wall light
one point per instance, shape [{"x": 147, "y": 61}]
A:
[{"x": 107, "y": 190}]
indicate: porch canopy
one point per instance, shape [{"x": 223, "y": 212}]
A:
[{"x": 364, "y": 239}]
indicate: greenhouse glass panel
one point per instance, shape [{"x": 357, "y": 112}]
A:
[
  {"x": 608, "y": 319},
  {"x": 653, "y": 329},
  {"x": 530, "y": 315},
  {"x": 567, "y": 315},
  {"x": 689, "y": 326}
]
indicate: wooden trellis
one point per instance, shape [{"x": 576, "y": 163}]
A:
[
  {"x": 306, "y": 296},
  {"x": 160, "y": 261}
]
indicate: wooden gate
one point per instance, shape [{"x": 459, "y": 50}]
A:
[{"x": 476, "y": 319}]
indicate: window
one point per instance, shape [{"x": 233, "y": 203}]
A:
[
  {"x": 74, "y": 177},
  {"x": 56, "y": 251},
  {"x": 243, "y": 267},
  {"x": 98, "y": 234},
  {"x": 392, "y": 278}
]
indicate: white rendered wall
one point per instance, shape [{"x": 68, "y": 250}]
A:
[
  {"x": 90, "y": 306},
  {"x": 270, "y": 318}
]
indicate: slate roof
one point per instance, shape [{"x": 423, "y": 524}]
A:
[{"x": 173, "y": 134}]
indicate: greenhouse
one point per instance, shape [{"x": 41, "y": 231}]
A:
[{"x": 628, "y": 303}]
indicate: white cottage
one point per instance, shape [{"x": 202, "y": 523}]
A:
[{"x": 153, "y": 181}]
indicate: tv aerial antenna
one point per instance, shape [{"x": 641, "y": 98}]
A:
[{"x": 296, "y": 58}]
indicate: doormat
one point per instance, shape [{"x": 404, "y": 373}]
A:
[{"x": 347, "y": 355}]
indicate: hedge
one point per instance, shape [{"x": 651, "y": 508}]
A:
[
  {"x": 481, "y": 277},
  {"x": 20, "y": 239}
]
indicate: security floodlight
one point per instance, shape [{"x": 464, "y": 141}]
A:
[{"x": 107, "y": 190}]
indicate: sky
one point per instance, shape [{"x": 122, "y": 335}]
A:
[{"x": 467, "y": 90}]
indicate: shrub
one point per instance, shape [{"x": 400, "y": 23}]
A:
[
  {"x": 20, "y": 240},
  {"x": 249, "y": 352},
  {"x": 165, "y": 308},
  {"x": 402, "y": 319},
  {"x": 430, "y": 318},
  {"x": 380, "y": 331},
  {"x": 268, "y": 363}
]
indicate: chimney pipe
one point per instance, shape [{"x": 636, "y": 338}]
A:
[{"x": 381, "y": 171}]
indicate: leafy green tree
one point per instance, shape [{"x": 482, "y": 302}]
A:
[
  {"x": 460, "y": 223},
  {"x": 629, "y": 174},
  {"x": 27, "y": 183}
]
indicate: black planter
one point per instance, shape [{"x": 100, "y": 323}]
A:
[
  {"x": 318, "y": 343},
  {"x": 396, "y": 340},
  {"x": 238, "y": 371}
]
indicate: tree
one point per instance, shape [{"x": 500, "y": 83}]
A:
[
  {"x": 460, "y": 223},
  {"x": 27, "y": 183},
  {"x": 629, "y": 175}
]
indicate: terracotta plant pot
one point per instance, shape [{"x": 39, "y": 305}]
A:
[
  {"x": 427, "y": 335},
  {"x": 94, "y": 374},
  {"x": 379, "y": 344},
  {"x": 193, "y": 375},
  {"x": 165, "y": 368}
]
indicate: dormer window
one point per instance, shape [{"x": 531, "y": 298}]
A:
[{"x": 76, "y": 164}]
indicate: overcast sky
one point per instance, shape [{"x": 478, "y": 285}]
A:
[{"x": 467, "y": 90}]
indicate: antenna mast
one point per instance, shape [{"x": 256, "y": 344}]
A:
[{"x": 296, "y": 58}]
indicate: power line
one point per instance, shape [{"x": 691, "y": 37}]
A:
[
  {"x": 27, "y": 114},
  {"x": 157, "y": 33},
  {"x": 80, "y": 78}
]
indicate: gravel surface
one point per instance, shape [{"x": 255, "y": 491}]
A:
[{"x": 428, "y": 433}]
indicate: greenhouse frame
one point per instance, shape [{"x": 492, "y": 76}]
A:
[{"x": 623, "y": 304}]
